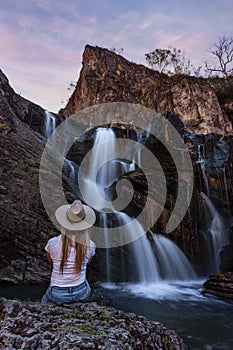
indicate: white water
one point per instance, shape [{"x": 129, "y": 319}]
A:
[
  {"x": 99, "y": 181},
  {"x": 201, "y": 161},
  {"x": 217, "y": 235},
  {"x": 104, "y": 223},
  {"x": 173, "y": 264},
  {"x": 162, "y": 290},
  {"x": 169, "y": 262},
  {"x": 49, "y": 124},
  {"x": 71, "y": 172}
]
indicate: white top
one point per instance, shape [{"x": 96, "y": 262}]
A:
[{"x": 70, "y": 277}]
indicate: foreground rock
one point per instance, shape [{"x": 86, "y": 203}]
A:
[
  {"x": 79, "y": 326},
  {"x": 220, "y": 285}
]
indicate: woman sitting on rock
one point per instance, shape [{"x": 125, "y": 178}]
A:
[{"x": 69, "y": 254}]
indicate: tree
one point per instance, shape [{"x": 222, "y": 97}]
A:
[
  {"x": 172, "y": 61},
  {"x": 72, "y": 86},
  {"x": 118, "y": 51},
  {"x": 160, "y": 59},
  {"x": 223, "y": 52}
]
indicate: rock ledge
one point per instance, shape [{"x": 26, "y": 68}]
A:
[
  {"x": 220, "y": 285},
  {"x": 31, "y": 325}
]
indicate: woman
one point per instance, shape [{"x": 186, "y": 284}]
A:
[{"x": 69, "y": 254}]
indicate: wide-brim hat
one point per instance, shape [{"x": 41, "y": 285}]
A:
[{"x": 75, "y": 216}]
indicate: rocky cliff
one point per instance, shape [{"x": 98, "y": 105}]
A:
[
  {"x": 108, "y": 77},
  {"x": 25, "y": 226}
]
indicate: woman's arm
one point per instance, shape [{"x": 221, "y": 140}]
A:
[{"x": 49, "y": 258}]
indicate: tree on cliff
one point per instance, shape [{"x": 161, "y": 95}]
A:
[
  {"x": 223, "y": 52},
  {"x": 171, "y": 61}
]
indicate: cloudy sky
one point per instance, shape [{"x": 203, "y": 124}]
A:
[{"x": 42, "y": 41}]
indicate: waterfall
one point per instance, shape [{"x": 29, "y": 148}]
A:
[
  {"x": 173, "y": 264},
  {"x": 143, "y": 256},
  {"x": 71, "y": 173},
  {"x": 216, "y": 235},
  {"x": 152, "y": 260},
  {"x": 104, "y": 224},
  {"x": 49, "y": 124},
  {"x": 101, "y": 180},
  {"x": 201, "y": 161}
]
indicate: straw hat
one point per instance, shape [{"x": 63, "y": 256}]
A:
[{"x": 75, "y": 216}]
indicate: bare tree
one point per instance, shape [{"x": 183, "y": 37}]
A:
[{"x": 223, "y": 51}]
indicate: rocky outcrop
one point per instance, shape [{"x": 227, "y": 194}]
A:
[
  {"x": 224, "y": 91},
  {"x": 220, "y": 286},
  {"x": 25, "y": 325},
  {"x": 25, "y": 226},
  {"x": 108, "y": 77},
  {"x": 14, "y": 106}
]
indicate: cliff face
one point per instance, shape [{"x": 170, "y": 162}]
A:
[
  {"x": 108, "y": 77},
  {"x": 25, "y": 226}
]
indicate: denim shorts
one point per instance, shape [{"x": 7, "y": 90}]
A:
[{"x": 66, "y": 294}]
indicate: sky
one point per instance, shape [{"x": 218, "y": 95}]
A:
[{"x": 42, "y": 41}]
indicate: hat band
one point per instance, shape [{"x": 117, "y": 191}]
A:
[{"x": 75, "y": 221}]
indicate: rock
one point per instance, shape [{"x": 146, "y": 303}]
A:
[
  {"x": 14, "y": 106},
  {"x": 27, "y": 325},
  {"x": 25, "y": 226},
  {"x": 220, "y": 285},
  {"x": 108, "y": 77}
]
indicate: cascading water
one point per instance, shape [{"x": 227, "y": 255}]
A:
[
  {"x": 49, "y": 124},
  {"x": 107, "y": 175},
  {"x": 148, "y": 266},
  {"x": 216, "y": 235},
  {"x": 201, "y": 161},
  {"x": 70, "y": 167},
  {"x": 173, "y": 264}
]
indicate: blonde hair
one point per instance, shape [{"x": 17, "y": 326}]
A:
[{"x": 80, "y": 240}]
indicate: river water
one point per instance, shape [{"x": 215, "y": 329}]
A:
[{"x": 204, "y": 323}]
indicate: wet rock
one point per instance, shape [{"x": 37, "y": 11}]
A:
[
  {"x": 27, "y": 325},
  {"x": 220, "y": 285}
]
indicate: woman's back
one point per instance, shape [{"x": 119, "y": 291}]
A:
[{"x": 69, "y": 276}]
